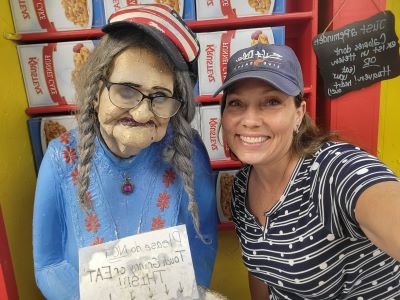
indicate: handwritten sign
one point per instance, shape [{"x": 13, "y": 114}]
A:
[
  {"x": 358, "y": 54},
  {"x": 153, "y": 265}
]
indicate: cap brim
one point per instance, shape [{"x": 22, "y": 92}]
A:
[
  {"x": 277, "y": 81},
  {"x": 169, "y": 47}
]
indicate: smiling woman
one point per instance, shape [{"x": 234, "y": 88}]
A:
[
  {"x": 316, "y": 218},
  {"x": 134, "y": 164}
]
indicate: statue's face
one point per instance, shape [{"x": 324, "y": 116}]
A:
[{"x": 126, "y": 131}]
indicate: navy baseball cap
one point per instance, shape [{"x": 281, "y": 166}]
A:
[
  {"x": 275, "y": 64},
  {"x": 163, "y": 24}
]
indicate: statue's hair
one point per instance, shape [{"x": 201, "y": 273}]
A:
[
  {"x": 100, "y": 64},
  {"x": 308, "y": 138}
]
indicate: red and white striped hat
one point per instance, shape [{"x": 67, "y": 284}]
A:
[{"x": 165, "y": 25}]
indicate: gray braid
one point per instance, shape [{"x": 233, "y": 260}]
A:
[{"x": 179, "y": 153}]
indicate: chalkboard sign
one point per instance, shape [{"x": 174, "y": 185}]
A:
[{"x": 358, "y": 54}]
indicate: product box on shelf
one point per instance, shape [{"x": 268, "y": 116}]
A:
[
  {"x": 218, "y": 47},
  {"x": 43, "y": 129},
  {"x": 33, "y": 16},
  {"x": 48, "y": 70},
  {"x": 223, "y": 9},
  {"x": 210, "y": 119},
  {"x": 185, "y": 8},
  {"x": 224, "y": 194}
]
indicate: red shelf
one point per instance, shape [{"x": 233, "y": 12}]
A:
[
  {"x": 82, "y": 34},
  {"x": 226, "y": 226},
  {"x": 248, "y": 22},
  {"x": 196, "y": 26},
  {"x": 225, "y": 164},
  {"x": 32, "y": 111}
]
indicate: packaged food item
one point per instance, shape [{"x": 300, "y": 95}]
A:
[
  {"x": 43, "y": 129},
  {"x": 218, "y": 47},
  {"x": 48, "y": 70},
  {"x": 224, "y": 194},
  {"x": 32, "y": 16},
  {"x": 210, "y": 119},
  {"x": 185, "y": 8},
  {"x": 229, "y": 9}
]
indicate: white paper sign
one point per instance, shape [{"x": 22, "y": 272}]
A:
[{"x": 152, "y": 265}]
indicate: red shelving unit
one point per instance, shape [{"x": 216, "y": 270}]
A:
[{"x": 301, "y": 25}]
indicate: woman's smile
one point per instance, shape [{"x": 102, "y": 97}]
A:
[{"x": 253, "y": 139}]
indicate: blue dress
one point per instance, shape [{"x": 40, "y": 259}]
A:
[{"x": 61, "y": 227}]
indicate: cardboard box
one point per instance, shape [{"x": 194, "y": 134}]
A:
[
  {"x": 210, "y": 119},
  {"x": 224, "y": 194},
  {"x": 230, "y": 9},
  {"x": 32, "y": 16},
  {"x": 185, "y": 8},
  {"x": 218, "y": 47},
  {"x": 43, "y": 129},
  {"x": 48, "y": 70}
]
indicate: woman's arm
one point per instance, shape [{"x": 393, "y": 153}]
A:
[
  {"x": 378, "y": 213},
  {"x": 258, "y": 289},
  {"x": 56, "y": 278}
]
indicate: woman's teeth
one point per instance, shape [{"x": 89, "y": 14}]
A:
[{"x": 253, "y": 139}]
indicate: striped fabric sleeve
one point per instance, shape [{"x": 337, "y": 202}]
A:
[{"x": 355, "y": 171}]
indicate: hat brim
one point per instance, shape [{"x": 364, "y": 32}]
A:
[
  {"x": 277, "y": 81},
  {"x": 166, "y": 44}
]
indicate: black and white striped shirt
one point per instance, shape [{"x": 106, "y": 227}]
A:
[{"x": 312, "y": 246}]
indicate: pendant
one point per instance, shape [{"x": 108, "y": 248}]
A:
[{"x": 127, "y": 187}]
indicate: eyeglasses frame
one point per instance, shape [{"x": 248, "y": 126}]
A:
[{"x": 108, "y": 85}]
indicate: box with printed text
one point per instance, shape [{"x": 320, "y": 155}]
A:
[
  {"x": 224, "y": 194},
  {"x": 218, "y": 47},
  {"x": 48, "y": 71},
  {"x": 230, "y": 9},
  {"x": 185, "y": 8},
  {"x": 43, "y": 129},
  {"x": 210, "y": 119},
  {"x": 33, "y": 16}
]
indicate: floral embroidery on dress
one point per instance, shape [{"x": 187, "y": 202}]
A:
[
  {"x": 98, "y": 240},
  {"x": 163, "y": 201},
  {"x": 69, "y": 155},
  {"x": 74, "y": 175},
  {"x": 158, "y": 223},
  {"x": 65, "y": 138},
  {"x": 169, "y": 177},
  {"x": 91, "y": 222}
]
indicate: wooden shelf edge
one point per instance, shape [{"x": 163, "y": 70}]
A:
[
  {"x": 196, "y": 26},
  {"x": 226, "y": 226},
  {"x": 248, "y": 22},
  {"x": 32, "y": 111},
  {"x": 225, "y": 164},
  {"x": 81, "y": 34}
]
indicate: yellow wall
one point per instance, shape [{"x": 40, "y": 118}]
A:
[
  {"x": 230, "y": 275},
  {"x": 17, "y": 175},
  {"x": 389, "y": 113}
]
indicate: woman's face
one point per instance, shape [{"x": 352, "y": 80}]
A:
[
  {"x": 127, "y": 131},
  {"x": 258, "y": 121}
]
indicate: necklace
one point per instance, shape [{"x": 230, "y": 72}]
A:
[{"x": 127, "y": 186}]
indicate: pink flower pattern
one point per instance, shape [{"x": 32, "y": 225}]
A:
[{"x": 69, "y": 155}]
